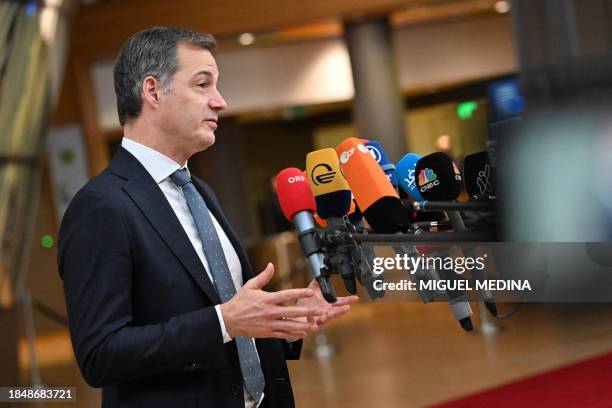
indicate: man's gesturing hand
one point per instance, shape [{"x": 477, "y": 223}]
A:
[
  {"x": 327, "y": 311},
  {"x": 253, "y": 312}
]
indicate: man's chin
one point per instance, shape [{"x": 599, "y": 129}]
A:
[{"x": 208, "y": 140}]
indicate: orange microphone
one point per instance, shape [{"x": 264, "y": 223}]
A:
[{"x": 375, "y": 196}]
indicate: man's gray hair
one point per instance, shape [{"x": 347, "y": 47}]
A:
[{"x": 151, "y": 52}]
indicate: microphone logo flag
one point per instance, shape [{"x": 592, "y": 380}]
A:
[
  {"x": 457, "y": 172},
  {"x": 296, "y": 179},
  {"x": 428, "y": 179},
  {"x": 483, "y": 181},
  {"x": 375, "y": 153},
  {"x": 410, "y": 179},
  {"x": 322, "y": 173},
  {"x": 345, "y": 156}
]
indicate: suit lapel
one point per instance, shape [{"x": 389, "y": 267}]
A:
[{"x": 147, "y": 195}]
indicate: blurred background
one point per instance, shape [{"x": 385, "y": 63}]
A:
[{"x": 531, "y": 77}]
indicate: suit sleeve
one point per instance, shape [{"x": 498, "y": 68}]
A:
[{"x": 96, "y": 265}]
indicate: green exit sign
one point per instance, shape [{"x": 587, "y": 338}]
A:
[{"x": 465, "y": 110}]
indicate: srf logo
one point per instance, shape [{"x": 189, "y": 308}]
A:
[
  {"x": 322, "y": 173},
  {"x": 427, "y": 179}
]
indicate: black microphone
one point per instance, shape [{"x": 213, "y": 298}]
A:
[
  {"x": 439, "y": 179},
  {"x": 478, "y": 174}
]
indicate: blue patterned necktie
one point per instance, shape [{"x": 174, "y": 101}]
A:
[{"x": 252, "y": 375}]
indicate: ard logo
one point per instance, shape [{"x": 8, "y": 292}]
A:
[{"x": 375, "y": 153}]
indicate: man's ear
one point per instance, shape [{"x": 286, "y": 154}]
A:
[{"x": 151, "y": 91}]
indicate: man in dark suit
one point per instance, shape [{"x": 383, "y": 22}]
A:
[{"x": 163, "y": 306}]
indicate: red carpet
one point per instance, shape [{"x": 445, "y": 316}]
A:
[{"x": 584, "y": 384}]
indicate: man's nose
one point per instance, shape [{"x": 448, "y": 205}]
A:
[{"x": 217, "y": 102}]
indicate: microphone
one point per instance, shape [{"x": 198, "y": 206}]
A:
[
  {"x": 298, "y": 205},
  {"x": 333, "y": 200},
  {"x": 439, "y": 179},
  {"x": 406, "y": 169},
  {"x": 363, "y": 256},
  {"x": 332, "y": 193},
  {"x": 375, "y": 196},
  {"x": 479, "y": 176},
  {"x": 377, "y": 151},
  {"x": 410, "y": 250},
  {"x": 480, "y": 186}
]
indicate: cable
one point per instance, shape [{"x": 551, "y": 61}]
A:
[
  {"x": 511, "y": 312},
  {"x": 49, "y": 313}
]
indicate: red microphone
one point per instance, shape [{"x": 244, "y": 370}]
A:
[{"x": 298, "y": 205}]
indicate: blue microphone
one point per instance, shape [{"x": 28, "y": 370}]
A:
[
  {"x": 376, "y": 150},
  {"x": 406, "y": 168}
]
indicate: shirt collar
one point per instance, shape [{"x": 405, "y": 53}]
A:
[{"x": 159, "y": 166}]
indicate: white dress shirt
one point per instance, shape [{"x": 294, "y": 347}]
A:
[{"x": 160, "y": 167}]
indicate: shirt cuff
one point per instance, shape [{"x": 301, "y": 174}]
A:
[{"x": 226, "y": 337}]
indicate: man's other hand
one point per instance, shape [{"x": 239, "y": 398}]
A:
[
  {"x": 327, "y": 311},
  {"x": 252, "y": 312}
]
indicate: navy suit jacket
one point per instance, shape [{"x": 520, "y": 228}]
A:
[{"x": 141, "y": 306}]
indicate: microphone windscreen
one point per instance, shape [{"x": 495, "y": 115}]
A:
[
  {"x": 353, "y": 206},
  {"x": 294, "y": 193},
  {"x": 322, "y": 223},
  {"x": 377, "y": 151},
  {"x": 406, "y": 169},
  {"x": 438, "y": 177},
  {"x": 478, "y": 175},
  {"x": 331, "y": 191},
  {"x": 375, "y": 196}
]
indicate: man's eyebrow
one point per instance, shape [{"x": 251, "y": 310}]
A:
[{"x": 205, "y": 72}]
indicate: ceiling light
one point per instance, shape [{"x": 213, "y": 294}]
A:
[
  {"x": 246, "y": 39},
  {"x": 502, "y": 6}
]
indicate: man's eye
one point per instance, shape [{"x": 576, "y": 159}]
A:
[{"x": 202, "y": 84}]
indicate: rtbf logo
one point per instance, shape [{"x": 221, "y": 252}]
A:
[
  {"x": 427, "y": 179},
  {"x": 296, "y": 179}
]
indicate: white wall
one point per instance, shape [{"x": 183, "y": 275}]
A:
[{"x": 319, "y": 71}]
